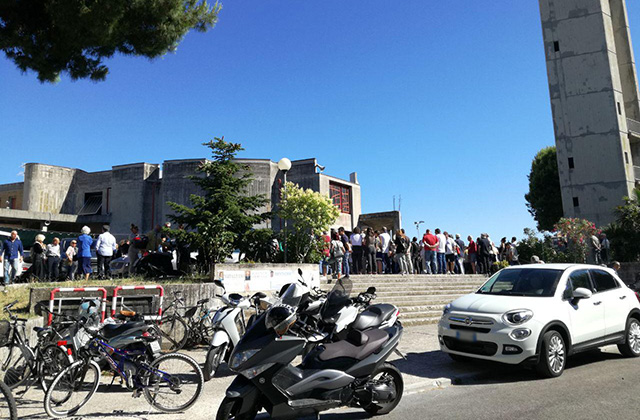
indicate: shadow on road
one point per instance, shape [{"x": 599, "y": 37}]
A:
[{"x": 437, "y": 364}]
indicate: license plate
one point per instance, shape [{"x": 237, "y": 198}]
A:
[
  {"x": 466, "y": 336},
  {"x": 155, "y": 346}
]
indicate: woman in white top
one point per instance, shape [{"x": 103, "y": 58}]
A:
[{"x": 357, "y": 252}]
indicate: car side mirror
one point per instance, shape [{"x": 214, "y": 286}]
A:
[{"x": 581, "y": 293}]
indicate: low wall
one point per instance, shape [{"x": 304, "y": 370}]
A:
[
  {"x": 239, "y": 278},
  {"x": 629, "y": 272}
]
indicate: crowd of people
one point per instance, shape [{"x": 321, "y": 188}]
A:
[
  {"x": 439, "y": 252},
  {"x": 72, "y": 257}
]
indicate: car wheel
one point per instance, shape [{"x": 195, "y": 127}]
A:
[
  {"x": 631, "y": 345},
  {"x": 553, "y": 355}
]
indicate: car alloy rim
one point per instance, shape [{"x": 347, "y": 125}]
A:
[
  {"x": 634, "y": 337},
  {"x": 556, "y": 354}
]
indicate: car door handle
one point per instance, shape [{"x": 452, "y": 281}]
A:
[
  {"x": 623, "y": 297},
  {"x": 597, "y": 303}
]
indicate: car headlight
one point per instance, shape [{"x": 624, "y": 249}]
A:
[
  {"x": 520, "y": 333},
  {"x": 242, "y": 356},
  {"x": 517, "y": 317},
  {"x": 446, "y": 309}
]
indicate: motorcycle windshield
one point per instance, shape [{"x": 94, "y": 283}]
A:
[
  {"x": 293, "y": 295},
  {"x": 338, "y": 298}
]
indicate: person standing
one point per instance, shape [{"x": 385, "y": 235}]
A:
[
  {"x": 369, "y": 246},
  {"x": 512, "y": 253},
  {"x": 84, "y": 252},
  {"x": 385, "y": 240},
  {"x": 484, "y": 253},
  {"x": 401, "y": 249},
  {"x": 326, "y": 253},
  {"x": 605, "y": 247},
  {"x": 134, "y": 239},
  {"x": 416, "y": 259},
  {"x": 11, "y": 256},
  {"x": 440, "y": 252},
  {"x": 155, "y": 239},
  {"x": 450, "y": 253},
  {"x": 337, "y": 251},
  {"x": 347, "y": 251},
  {"x": 430, "y": 242},
  {"x": 595, "y": 248},
  {"x": 472, "y": 252},
  {"x": 356, "y": 245},
  {"x": 38, "y": 257},
  {"x": 72, "y": 259},
  {"x": 460, "y": 254},
  {"x": 53, "y": 260},
  {"x": 105, "y": 248}
]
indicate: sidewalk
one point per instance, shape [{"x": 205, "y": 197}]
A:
[{"x": 425, "y": 368}]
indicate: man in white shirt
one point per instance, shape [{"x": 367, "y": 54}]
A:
[
  {"x": 440, "y": 252},
  {"x": 105, "y": 248},
  {"x": 385, "y": 238}
]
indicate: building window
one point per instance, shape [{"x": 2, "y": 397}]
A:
[
  {"x": 11, "y": 202},
  {"x": 576, "y": 202},
  {"x": 626, "y": 157},
  {"x": 619, "y": 109},
  {"x": 556, "y": 46},
  {"x": 571, "y": 165},
  {"x": 341, "y": 197},
  {"x": 92, "y": 204}
]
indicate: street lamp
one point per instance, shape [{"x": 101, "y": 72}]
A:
[
  {"x": 284, "y": 165},
  {"x": 418, "y": 226}
]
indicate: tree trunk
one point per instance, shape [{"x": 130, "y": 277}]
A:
[{"x": 212, "y": 271}]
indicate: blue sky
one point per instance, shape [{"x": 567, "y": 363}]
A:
[{"x": 442, "y": 103}]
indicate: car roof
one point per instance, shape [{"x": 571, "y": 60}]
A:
[{"x": 555, "y": 266}]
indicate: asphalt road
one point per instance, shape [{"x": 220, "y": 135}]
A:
[{"x": 596, "y": 385}]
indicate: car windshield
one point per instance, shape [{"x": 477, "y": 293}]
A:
[{"x": 522, "y": 282}]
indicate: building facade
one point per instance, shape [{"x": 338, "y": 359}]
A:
[
  {"x": 594, "y": 100},
  {"x": 64, "y": 199}
]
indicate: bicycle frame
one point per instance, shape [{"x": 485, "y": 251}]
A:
[{"x": 17, "y": 340}]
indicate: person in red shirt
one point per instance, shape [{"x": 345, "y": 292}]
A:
[
  {"x": 472, "y": 250},
  {"x": 324, "y": 264},
  {"x": 430, "y": 242}
]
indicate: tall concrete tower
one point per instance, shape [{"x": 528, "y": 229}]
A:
[{"x": 594, "y": 100}]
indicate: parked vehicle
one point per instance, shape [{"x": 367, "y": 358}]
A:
[
  {"x": 228, "y": 326},
  {"x": 24, "y": 364},
  {"x": 351, "y": 372},
  {"x": 170, "y": 383},
  {"x": 8, "y": 407},
  {"x": 540, "y": 314}
]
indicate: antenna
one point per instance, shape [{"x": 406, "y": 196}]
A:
[
  {"x": 399, "y": 202},
  {"x": 394, "y": 203}
]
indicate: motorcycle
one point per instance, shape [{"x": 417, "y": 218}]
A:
[
  {"x": 229, "y": 325},
  {"x": 352, "y": 372}
]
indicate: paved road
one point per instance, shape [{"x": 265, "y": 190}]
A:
[{"x": 598, "y": 384}]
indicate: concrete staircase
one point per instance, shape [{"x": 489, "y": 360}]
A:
[{"x": 419, "y": 297}]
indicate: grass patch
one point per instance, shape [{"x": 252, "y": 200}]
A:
[{"x": 21, "y": 292}]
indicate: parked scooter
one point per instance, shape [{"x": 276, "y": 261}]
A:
[
  {"x": 229, "y": 326},
  {"x": 351, "y": 372}
]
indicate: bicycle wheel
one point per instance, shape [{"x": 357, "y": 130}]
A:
[
  {"x": 173, "y": 330},
  {"x": 8, "y": 409},
  {"x": 18, "y": 368},
  {"x": 52, "y": 361},
  {"x": 72, "y": 389},
  {"x": 173, "y": 383}
]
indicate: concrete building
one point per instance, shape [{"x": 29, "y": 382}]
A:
[
  {"x": 594, "y": 99},
  {"x": 64, "y": 199}
]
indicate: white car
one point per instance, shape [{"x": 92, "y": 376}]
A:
[{"x": 541, "y": 313}]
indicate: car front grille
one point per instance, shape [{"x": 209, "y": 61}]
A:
[
  {"x": 465, "y": 328},
  {"x": 470, "y": 320},
  {"x": 483, "y": 348}
]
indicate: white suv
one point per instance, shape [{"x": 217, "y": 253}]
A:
[{"x": 539, "y": 314}]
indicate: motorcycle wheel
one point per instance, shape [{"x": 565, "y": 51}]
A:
[
  {"x": 213, "y": 361},
  {"x": 229, "y": 408},
  {"x": 389, "y": 374}
]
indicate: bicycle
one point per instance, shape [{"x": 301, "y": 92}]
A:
[
  {"x": 8, "y": 409},
  {"x": 142, "y": 373},
  {"x": 24, "y": 363},
  {"x": 199, "y": 324},
  {"x": 172, "y": 326}
]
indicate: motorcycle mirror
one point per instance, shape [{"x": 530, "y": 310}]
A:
[
  {"x": 300, "y": 271},
  {"x": 218, "y": 283},
  {"x": 371, "y": 290},
  {"x": 260, "y": 295}
]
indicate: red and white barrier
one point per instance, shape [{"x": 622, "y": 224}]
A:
[
  {"x": 102, "y": 290},
  {"x": 114, "y": 301}
]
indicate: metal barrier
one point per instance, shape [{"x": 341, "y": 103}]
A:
[
  {"x": 114, "y": 299},
  {"x": 102, "y": 290}
]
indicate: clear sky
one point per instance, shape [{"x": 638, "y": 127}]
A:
[{"x": 444, "y": 103}]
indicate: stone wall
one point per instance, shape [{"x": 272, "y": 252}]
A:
[{"x": 629, "y": 272}]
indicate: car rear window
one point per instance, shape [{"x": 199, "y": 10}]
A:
[
  {"x": 523, "y": 282},
  {"x": 603, "y": 280}
]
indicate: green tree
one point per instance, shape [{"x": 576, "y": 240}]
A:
[
  {"x": 75, "y": 36},
  {"x": 544, "y": 201},
  {"x": 258, "y": 245},
  {"x": 217, "y": 220},
  {"x": 624, "y": 233},
  {"x": 308, "y": 213}
]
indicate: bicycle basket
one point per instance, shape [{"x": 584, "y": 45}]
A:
[
  {"x": 6, "y": 333},
  {"x": 191, "y": 312}
]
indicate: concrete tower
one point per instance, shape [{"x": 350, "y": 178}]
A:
[{"x": 594, "y": 101}]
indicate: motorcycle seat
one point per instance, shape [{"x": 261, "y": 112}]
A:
[
  {"x": 374, "y": 316},
  {"x": 370, "y": 342},
  {"x": 112, "y": 330}
]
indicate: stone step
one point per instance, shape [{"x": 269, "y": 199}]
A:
[
  {"x": 409, "y": 285},
  {"x": 416, "y": 315},
  {"x": 422, "y": 308},
  {"x": 414, "y": 292},
  {"x": 419, "y": 321},
  {"x": 417, "y": 279}
]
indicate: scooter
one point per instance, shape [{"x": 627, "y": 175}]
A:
[
  {"x": 229, "y": 325},
  {"x": 351, "y": 372}
]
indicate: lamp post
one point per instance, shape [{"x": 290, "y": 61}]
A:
[
  {"x": 284, "y": 165},
  {"x": 418, "y": 226}
]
